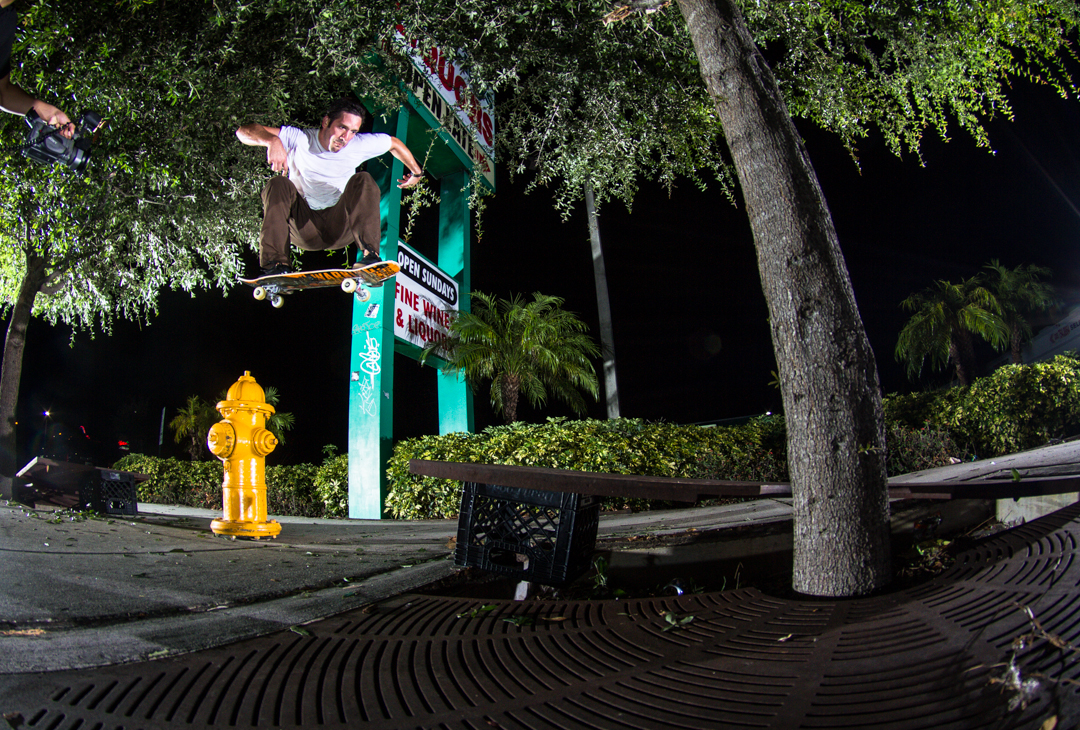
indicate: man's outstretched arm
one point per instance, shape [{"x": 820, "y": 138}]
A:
[
  {"x": 258, "y": 135},
  {"x": 400, "y": 151}
]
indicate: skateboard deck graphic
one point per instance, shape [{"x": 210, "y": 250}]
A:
[{"x": 273, "y": 287}]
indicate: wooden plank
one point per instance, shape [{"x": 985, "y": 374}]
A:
[
  {"x": 691, "y": 490},
  {"x": 986, "y": 488},
  {"x": 596, "y": 483}
]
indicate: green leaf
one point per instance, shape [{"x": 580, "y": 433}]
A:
[{"x": 476, "y": 611}]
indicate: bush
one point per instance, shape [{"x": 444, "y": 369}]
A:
[
  {"x": 1016, "y": 408},
  {"x": 757, "y": 452},
  {"x": 331, "y": 485},
  {"x": 620, "y": 446},
  {"x": 1019, "y": 407},
  {"x": 290, "y": 490},
  {"x": 910, "y": 410},
  {"x": 188, "y": 483},
  {"x": 915, "y": 449}
]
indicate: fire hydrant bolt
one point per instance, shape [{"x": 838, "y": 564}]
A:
[
  {"x": 263, "y": 442},
  {"x": 221, "y": 439}
]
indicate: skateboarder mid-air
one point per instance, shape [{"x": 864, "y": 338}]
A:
[{"x": 324, "y": 203}]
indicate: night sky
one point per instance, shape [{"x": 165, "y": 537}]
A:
[{"x": 691, "y": 338}]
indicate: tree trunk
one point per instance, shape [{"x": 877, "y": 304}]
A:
[
  {"x": 511, "y": 387},
  {"x": 958, "y": 363},
  {"x": 965, "y": 353},
  {"x": 603, "y": 308},
  {"x": 14, "y": 345},
  {"x": 829, "y": 381},
  {"x": 1017, "y": 343}
]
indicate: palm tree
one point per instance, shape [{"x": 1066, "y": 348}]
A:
[
  {"x": 1020, "y": 292},
  {"x": 194, "y": 421},
  {"x": 527, "y": 349},
  {"x": 278, "y": 423},
  {"x": 946, "y": 318}
]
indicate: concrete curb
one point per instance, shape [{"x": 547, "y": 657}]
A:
[{"x": 43, "y": 650}]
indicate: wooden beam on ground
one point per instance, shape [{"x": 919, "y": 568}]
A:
[
  {"x": 985, "y": 488},
  {"x": 691, "y": 490},
  {"x": 596, "y": 483}
]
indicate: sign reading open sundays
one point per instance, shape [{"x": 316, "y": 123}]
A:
[
  {"x": 426, "y": 299},
  {"x": 443, "y": 88}
]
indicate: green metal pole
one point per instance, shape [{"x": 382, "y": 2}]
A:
[
  {"x": 371, "y": 386},
  {"x": 455, "y": 397}
]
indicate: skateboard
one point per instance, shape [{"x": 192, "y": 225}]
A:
[{"x": 350, "y": 280}]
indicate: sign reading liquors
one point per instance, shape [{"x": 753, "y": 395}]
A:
[
  {"x": 426, "y": 301},
  {"x": 442, "y": 86}
]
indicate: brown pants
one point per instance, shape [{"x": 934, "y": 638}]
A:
[{"x": 288, "y": 217}]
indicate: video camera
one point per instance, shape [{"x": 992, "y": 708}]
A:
[{"x": 45, "y": 144}]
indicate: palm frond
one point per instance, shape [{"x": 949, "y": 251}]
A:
[{"x": 527, "y": 349}]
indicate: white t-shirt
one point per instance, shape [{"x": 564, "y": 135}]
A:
[{"x": 321, "y": 175}]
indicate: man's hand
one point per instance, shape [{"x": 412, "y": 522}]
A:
[
  {"x": 410, "y": 179},
  {"x": 55, "y": 118},
  {"x": 256, "y": 135},
  {"x": 277, "y": 157}
]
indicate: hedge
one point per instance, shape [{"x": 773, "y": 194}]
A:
[
  {"x": 290, "y": 490},
  {"x": 754, "y": 451},
  {"x": 619, "y": 446},
  {"x": 1018, "y": 407}
]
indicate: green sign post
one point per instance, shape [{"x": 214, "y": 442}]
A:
[
  {"x": 371, "y": 386},
  {"x": 455, "y": 400},
  {"x": 371, "y": 381}
]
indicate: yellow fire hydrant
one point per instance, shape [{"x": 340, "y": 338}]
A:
[{"x": 242, "y": 441}]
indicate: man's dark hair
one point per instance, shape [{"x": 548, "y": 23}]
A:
[{"x": 345, "y": 105}]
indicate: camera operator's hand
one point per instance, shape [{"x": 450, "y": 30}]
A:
[{"x": 54, "y": 118}]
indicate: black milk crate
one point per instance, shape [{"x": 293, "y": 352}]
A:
[
  {"x": 532, "y": 534},
  {"x": 110, "y": 492}
]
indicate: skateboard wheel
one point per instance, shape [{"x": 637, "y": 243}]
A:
[
  {"x": 362, "y": 295},
  {"x": 348, "y": 285},
  {"x": 277, "y": 301},
  {"x": 259, "y": 293}
]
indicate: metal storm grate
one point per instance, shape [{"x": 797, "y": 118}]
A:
[{"x": 926, "y": 657}]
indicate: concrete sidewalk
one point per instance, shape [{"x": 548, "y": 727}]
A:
[{"x": 90, "y": 592}]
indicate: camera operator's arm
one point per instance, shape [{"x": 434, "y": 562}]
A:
[
  {"x": 256, "y": 135},
  {"x": 16, "y": 101},
  {"x": 13, "y": 99}
]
